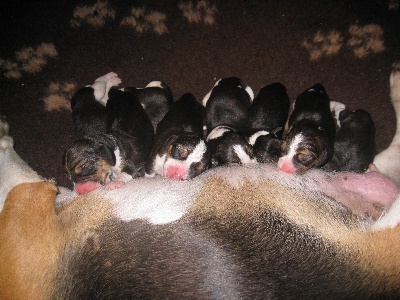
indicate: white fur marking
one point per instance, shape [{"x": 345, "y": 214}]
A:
[
  {"x": 255, "y": 136},
  {"x": 155, "y": 84},
  {"x": 292, "y": 148},
  {"x": 336, "y": 108},
  {"x": 243, "y": 156},
  {"x": 390, "y": 219},
  {"x": 249, "y": 91},
  {"x": 207, "y": 96},
  {"x": 166, "y": 203},
  {"x": 218, "y": 132}
]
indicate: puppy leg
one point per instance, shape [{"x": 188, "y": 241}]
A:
[
  {"x": 13, "y": 170},
  {"x": 388, "y": 162},
  {"x": 102, "y": 86}
]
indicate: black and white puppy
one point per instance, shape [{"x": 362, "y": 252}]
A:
[
  {"x": 354, "y": 148},
  {"x": 227, "y": 118},
  {"x": 114, "y": 149},
  {"x": 311, "y": 131},
  {"x": 268, "y": 115},
  {"x": 156, "y": 99},
  {"x": 179, "y": 150}
]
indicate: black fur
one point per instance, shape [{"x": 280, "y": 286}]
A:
[
  {"x": 178, "y": 133},
  {"x": 156, "y": 101},
  {"x": 354, "y": 142},
  {"x": 312, "y": 118},
  {"x": 269, "y": 112},
  {"x": 126, "y": 128}
]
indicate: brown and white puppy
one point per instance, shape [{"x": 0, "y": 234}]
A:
[
  {"x": 268, "y": 115},
  {"x": 311, "y": 131},
  {"x": 114, "y": 147},
  {"x": 227, "y": 119},
  {"x": 179, "y": 150}
]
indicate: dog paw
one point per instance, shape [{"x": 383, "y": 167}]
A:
[{"x": 102, "y": 85}]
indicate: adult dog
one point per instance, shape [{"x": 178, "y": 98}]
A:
[{"x": 243, "y": 232}]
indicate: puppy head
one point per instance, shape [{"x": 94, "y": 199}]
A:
[
  {"x": 267, "y": 148},
  {"x": 229, "y": 147},
  {"x": 356, "y": 120},
  {"x": 305, "y": 146},
  {"x": 87, "y": 160},
  {"x": 186, "y": 156}
]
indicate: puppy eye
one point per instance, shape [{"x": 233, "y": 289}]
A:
[{"x": 305, "y": 158}]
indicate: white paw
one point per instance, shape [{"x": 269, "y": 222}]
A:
[{"x": 102, "y": 86}]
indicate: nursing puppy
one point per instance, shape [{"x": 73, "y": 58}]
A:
[
  {"x": 156, "y": 99},
  {"x": 268, "y": 115},
  {"x": 311, "y": 131},
  {"x": 114, "y": 153},
  {"x": 227, "y": 118},
  {"x": 179, "y": 150},
  {"x": 354, "y": 148},
  {"x": 88, "y": 105}
]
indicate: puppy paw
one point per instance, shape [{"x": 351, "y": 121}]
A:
[{"x": 102, "y": 86}]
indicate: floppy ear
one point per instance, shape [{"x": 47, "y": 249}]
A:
[{"x": 108, "y": 154}]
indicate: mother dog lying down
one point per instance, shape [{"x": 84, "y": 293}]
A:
[{"x": 231, "y": 233}]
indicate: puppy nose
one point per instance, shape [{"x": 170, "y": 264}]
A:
[
  {"x": 286, "y": 167},
  {"x": 176, "y": 172}
]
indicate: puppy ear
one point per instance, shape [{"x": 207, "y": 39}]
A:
[
  {"x": 166, "y": 146},
  {"x": 108, "y": 154}
]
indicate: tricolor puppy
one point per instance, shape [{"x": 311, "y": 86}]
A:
[
  {"x": 179, "y": 150},
  {"x": 354, "y": 148},
  {"x": 311, "y": 131},
  {"x": 235, "y": 232},
  {"x": 115, "y": 153},
  {"x": 227, "y": 118},
  {"x": 156, "y": 99},
  {"x": 229, "y": 146},
  {"x": 268, "y": 115}
]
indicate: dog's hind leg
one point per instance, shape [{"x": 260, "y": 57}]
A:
[
  {"x": 388, "y": 161},
  {"x": 13, "y": 170}
]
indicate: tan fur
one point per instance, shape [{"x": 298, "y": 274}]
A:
[
  {"x": 376, "y": 253},
  {"x": 30, "y": 242}
]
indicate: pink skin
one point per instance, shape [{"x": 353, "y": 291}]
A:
[
  {"x": 86, "y": 187},
  {"x": 367, "y": 195},
  {"x": 176, "y": 171},
  {"x": 286, "y": 166}
]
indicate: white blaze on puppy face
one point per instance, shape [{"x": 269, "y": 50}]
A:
[
  {"x": 158, "y": 165},
  {"x": 183, "y": 166},
  {"x": 243, "y": 156},
  {"x": 255, "y": 136},
  {"x": 285, "y": 162}
]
